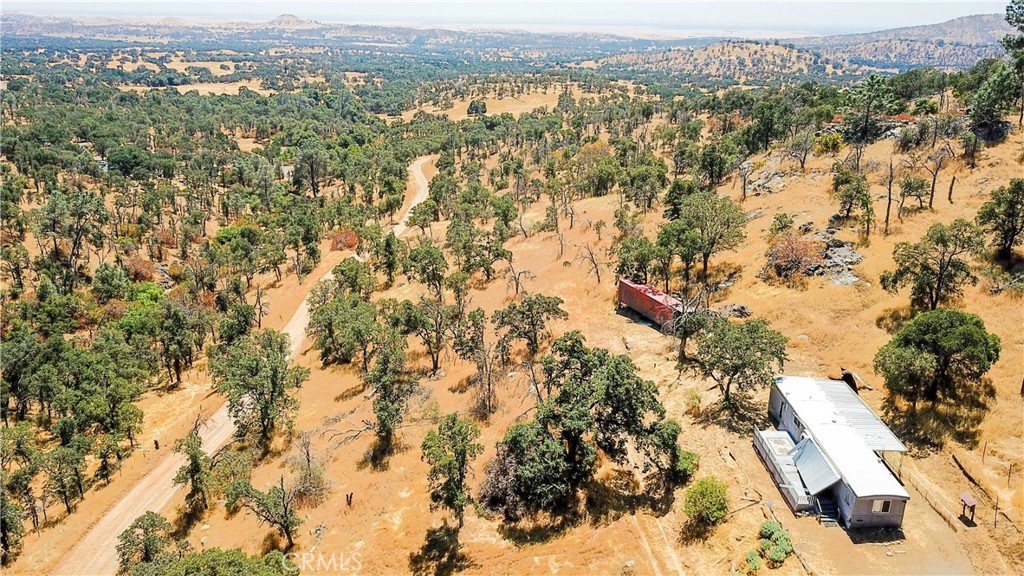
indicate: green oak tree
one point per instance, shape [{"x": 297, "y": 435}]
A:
[
  {"x": 448, "y": 451},
  {"x": 934, "y": 267}
]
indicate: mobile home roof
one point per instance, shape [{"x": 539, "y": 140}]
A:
[
  {"x": 820, "y": 402},
  {"x": 847, "y": 432}
]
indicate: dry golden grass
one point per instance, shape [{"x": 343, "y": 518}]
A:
[
  {"x": 828, "y": 326},
  {"x": 207, "y": 88},
  {"x": 129, "y": 65},
  {"x": 214, "y": 67}
]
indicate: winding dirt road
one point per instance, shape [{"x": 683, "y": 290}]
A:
[{"x": 95, "y": 554}]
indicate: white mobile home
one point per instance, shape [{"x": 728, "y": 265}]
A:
[{"x": 825, "y": 455}]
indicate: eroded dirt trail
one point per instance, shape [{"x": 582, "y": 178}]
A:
[{"x": 96, "y": 554}]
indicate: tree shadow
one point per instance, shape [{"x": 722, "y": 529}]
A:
[
  {"x": 694, "y": 532},
  {"x": 463, "y": 385},
  {"x": 186, "y": 518},
  {"x": 621, "y": 493},
  {"x": 611, "y": 497},
  {"x": 723, "y": 276},
  {"x": 737, "y": 415},
  {"x": 910, "y": 210},
  {"x": 536, "y": 531},
  {"x": 349, "y": 394},
  {"x": 378, "y": 456},
  {"x": 440, "y": 554},
  {"x": 892, "y": 319},
  {"x": 271, "y": 542},
  {"x": 480, "y": 411},
  {"x": 876, "y": 535},
  {"x": 927, "y": 429}
]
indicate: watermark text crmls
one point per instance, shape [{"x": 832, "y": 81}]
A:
[{"x": 322, "y": 562}]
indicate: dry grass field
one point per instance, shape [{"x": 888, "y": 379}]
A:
[
  {"x": 207, "y": 88},
  {"x": 828, "y": 326}
]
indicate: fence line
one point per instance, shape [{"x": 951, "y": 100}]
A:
[{"x": 907, "y": 474}]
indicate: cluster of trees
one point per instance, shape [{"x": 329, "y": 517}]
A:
[
  {"x": 590, "y": 404},
  {"x": 937, "y": 267},
  {"x": 148, "y": 547},
  {"x": 941, "y": 355},
  {"x": 155, "y": 235}
]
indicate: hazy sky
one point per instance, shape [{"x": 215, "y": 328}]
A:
[{"x": 808, "y": 17}]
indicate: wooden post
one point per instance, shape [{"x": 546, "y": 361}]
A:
[
  {"x": 995, "y": 517},
  {"x": 983, "y": 451}
]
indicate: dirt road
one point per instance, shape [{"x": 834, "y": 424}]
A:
[{"x": 95, "y": 554}]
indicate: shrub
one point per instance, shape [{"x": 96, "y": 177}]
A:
[
  {"x": 775, "y": 543},
  {"x": 165, "y": 238},
  {"x": 707, "y": 501},
  {"x": 344, "y": 240},
  {"x": 146, "y": 293},
  {"x": 141, "y": 270},
  {"x": 692, "y": 400},
  {"x": 176, "y": 271},
  {"x": 769, "y": 529},
  {"x": 790, "y": 254},
  {"x": 906, "y": 140},
  {"x": 753, "y": 562},
  {"x": 110, "y": 283},
  {"x": 781, "y": 223},
  {"x": 686, "y": 466},
  {"x": 783, "y": 542},
  {"x": 828, "y": 144},
  {"x": 776, "y": 556}
]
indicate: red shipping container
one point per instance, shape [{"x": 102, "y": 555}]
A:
[{"x": 650, "y": 303}]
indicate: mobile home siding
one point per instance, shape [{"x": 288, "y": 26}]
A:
[
  {"x": 845, "y": 500},
  {"x": 863, "y": 517}
]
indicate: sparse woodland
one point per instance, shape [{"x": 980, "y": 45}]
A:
[{"x": 156, "y": 241}]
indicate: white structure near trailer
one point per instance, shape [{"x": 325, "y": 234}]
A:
[{"x": 825, "y": 455}]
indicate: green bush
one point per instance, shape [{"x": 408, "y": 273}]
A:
[
  {"x": 146, "y": 293},
  {"x": 776, "y": 556},
  {"x": 753, "y": 562},
  {"x": 781, "y": 223},
  {"x": 707, "y": 501},
  {"x": 783, "y": 542},
  {"x": 776, "y": 544},
  {"x": 686, "y": 466},
  {"x": 769, "y": 529},
  {"x": 110, "y": 282}
]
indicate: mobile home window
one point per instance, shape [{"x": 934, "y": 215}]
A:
[{"x": 881, "y": 506}]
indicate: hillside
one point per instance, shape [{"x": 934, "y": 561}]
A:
[
  {"x": 291, "y": 21},
  {"x": 284, "y": 295},
  {"x": 741, "y": 61},
  {"x": 955, "y": 44}
]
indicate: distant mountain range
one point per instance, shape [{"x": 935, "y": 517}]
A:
[
  {"x": 954, "y": 44},
  {"x": 745, "y": 62}
]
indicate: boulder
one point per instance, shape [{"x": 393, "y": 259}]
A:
[{"x": 735, "y": 311}]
